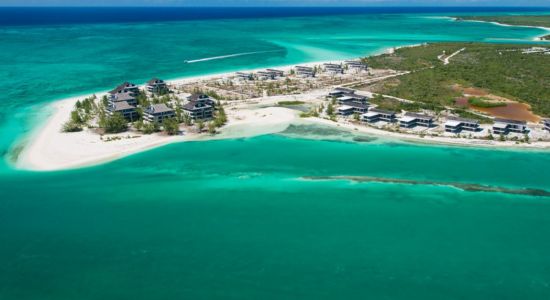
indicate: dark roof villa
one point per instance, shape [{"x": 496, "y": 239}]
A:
[
  {"x": 123, "y": 97},
  {"x": 505, "y": 126},
  {"x": 333, "y": 68},
  {"x": 158, "y": 113},
  {"x": 303, "y": 71},
  {"x": 456, "y": 125},
  {"x": 199, "y": 107},
  {"x": 352, "y": 107},
  {"x": 356, "y": 64},
  {"x": 156, "y": 86},
  {"x": 126, "y": 110},
  {"x": 201, "y": 97},
  {"x": 410, "y": 120},
  {"x": 125, "y": 88},
  {"x": 374, "y": 115}
]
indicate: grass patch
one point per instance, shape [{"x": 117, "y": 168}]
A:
[
  {"x": 480, "y": 102},
  {"x": 290, "y": 103}
]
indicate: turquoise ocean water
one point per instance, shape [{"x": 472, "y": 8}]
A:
[{"x": 235, "y": 219}]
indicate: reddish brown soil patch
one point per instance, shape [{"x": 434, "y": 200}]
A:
[
  {"x": 462, "y": 101},
  {"x": 513, "y": 110}
]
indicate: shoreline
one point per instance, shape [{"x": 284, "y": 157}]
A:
[
  {"x": 46, "y": 148},
  {"x": 538, "y": 38}
]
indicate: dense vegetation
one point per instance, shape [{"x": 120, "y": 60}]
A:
[
  {"x": 413, "y": 58},
  {"x": 539, "y": 21},
  {"x": 501, "y": 69}
]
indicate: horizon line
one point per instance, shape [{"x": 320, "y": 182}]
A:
[{"x": 273, "y": 6}]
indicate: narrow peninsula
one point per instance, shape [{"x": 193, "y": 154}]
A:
[{"x": 467, "y": 94}]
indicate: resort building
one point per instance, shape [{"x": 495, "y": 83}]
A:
[
  {"x": 269, "y": 74},
  {"x": 265, "y": 75},
  {"x": 245, "y": 76},
  {"x": 356, "y": 65},
  {"x": 156, "y": 86},
  {"x": 127, "y": 97},
  {"x": 199, "y": 107},
  {"x": 157, "y": 113},
  {"x": 126, "y": 87},
  {"x": 504, "y": 126},
  {"x": 352, "y": 108},
  {"x": 126, "y": 110},
  {"x": 340, "y": 91},
  {"x": 345, "y": 110},
  {"x": 346, "y": 99},
  {"x": 333, "y": 68},
  {"x": 278, "y": 73},
  {"x": 456, "y": 125},
  {"x": 358, "y": 107},
  {"x": 374, "y": 115},
  {"x": 202, "y": 98},
  {"x": 302, "y": 71},
  {"x": 546, "y": 124},
  {"x": 410, "y": 120}
]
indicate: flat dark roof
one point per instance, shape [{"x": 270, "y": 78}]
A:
[
  {"x": 382, "y": 111},
  {"x": 357, "y": 105}
]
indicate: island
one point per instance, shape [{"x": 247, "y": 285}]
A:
[{"x": 466, "y": 94}]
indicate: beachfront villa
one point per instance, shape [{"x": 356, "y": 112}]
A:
[
  {"x": 356, "y": 65},
  {"x": 127, "y": 97},
  {"x": 346, "y": 99},
  {"x": 126, "y": 110},
  {"x": 202, "y": 97},
  {"x": 303, "y": 71},
  {"x": 244, "y": 76},
  {"x": 456, "y": 125},
  {"x": 345, "y": 110},
  {"x": 546, "y": 124},
  {"x": 352, "y": 108},
  {"x": 505, "y": 126},
  {"x": 270, "y": 74},
  {"x": 340, "y": 91},
  {"x": 156, "y": 86},
  {"x": 410, "y": 120},
  {"x": 265, "y": 75},
  {"x": 157, "y": 113},
  {"x": 277, "y": 73},
  {"x": 375, "y": 115},
  {"x": 199, "y": 107},
  {"x": 126, "y": 87},
  {"x": 333, "y": 68}
]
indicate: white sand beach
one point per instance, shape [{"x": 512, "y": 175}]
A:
[{"x": 51, "y": 149}]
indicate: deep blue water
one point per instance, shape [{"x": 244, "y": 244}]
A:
[{"x": 78, "y": 15}]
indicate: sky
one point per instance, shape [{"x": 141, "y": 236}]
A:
[{"x": 275, "y": 3}]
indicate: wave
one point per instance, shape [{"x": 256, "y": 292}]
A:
[{"x": 229, "y": 56}]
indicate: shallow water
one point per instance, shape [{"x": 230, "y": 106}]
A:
[{"x": 234, "y": 220}]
